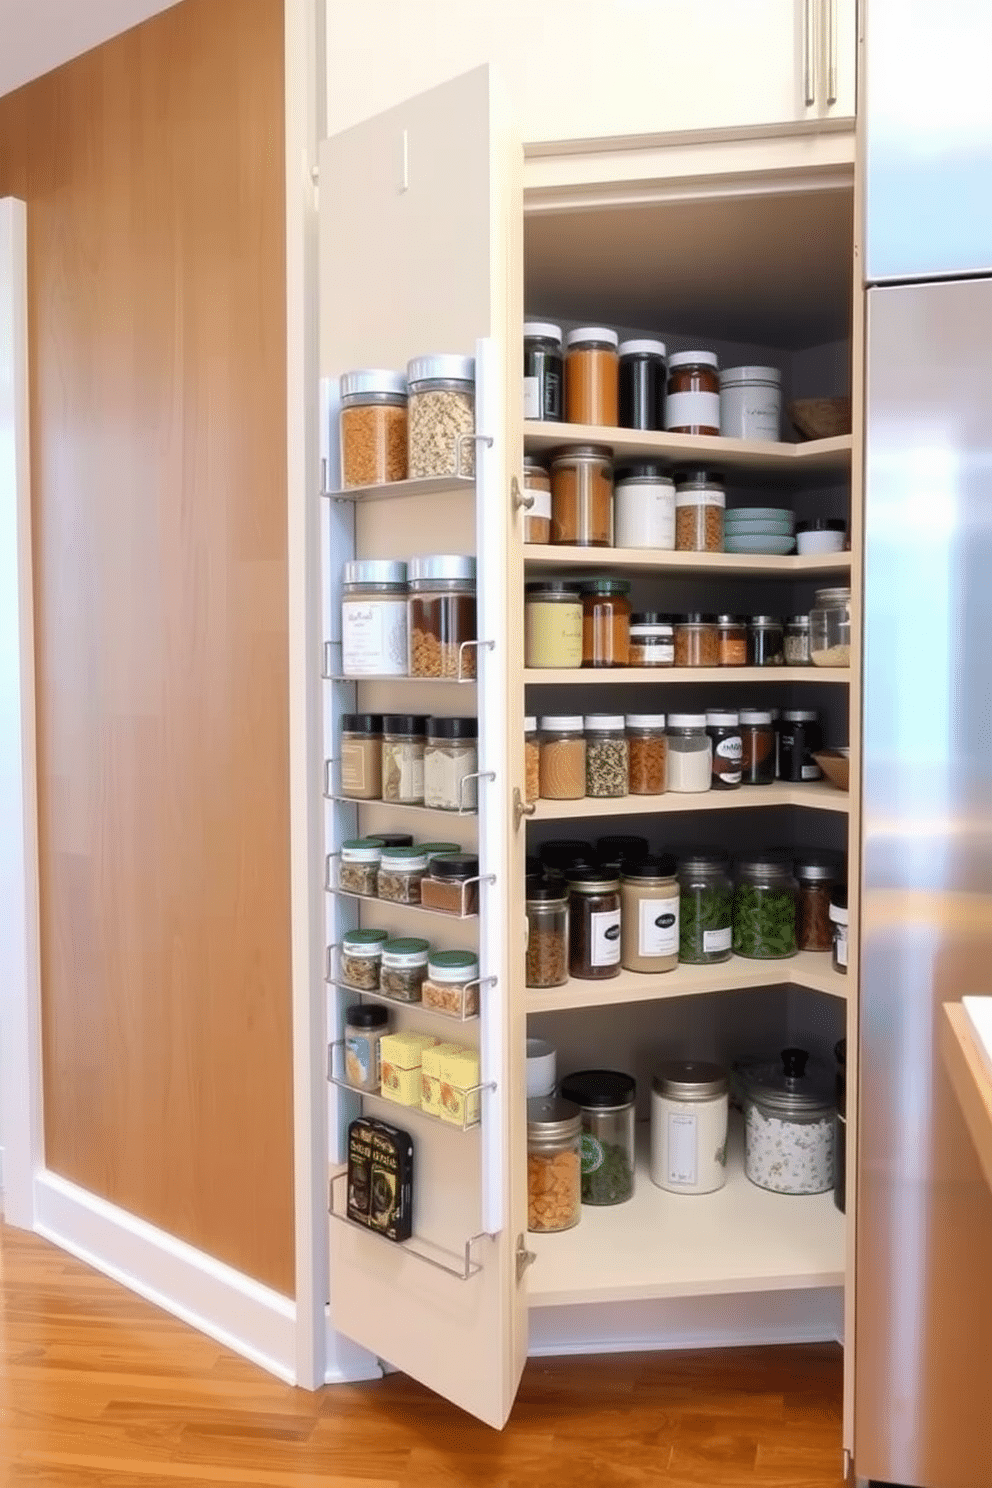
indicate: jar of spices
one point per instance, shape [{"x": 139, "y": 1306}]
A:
[
  {"x": 451, "y": 884},
  {"x": 552, "y": 624},
  {"x": 442, "y": 616},
  {"x": 644, "y": 508},
  {"x": 374, "y": 618},
  {"x": 692, "y": 404},
  {"x": 816, "y": 877},
  {"x": 547, "y": 933},
  {"x": 758, "y": 747},
  {"x": 796, "y": 647},
  {"x": 830, "y": 628},
  {"x": 451, "y": 764},
  {"x": 690, "y": 1104},
  {"x": 563, "y": 757},
  {"x": 696, "y": 641},
  {"x": 592, "y": 376},
  {"x": 365, "y": 1025},
  {"x": 542, "y": 371},
  {"x": 699, "y": 506},
  {"x": 799, "y": 738},
  {"x": 765, "y": 908},
  {"x": 593, "y": 924},
  {"x": 690, "y": 753},
  {"x": 554, "y": 1166},
  {"x": 605, "y": 622},
  {"x": 537, "y": 516},
  {"x": 606, "y": 1100},
  {"x": 404, "y": 739},
  {"x": 838, "y": 919},
  {"x": 731, "y": 638},
  {"x": 452, "y": 984},
  {"x": 373, "y": 428},
  {"x": 652, "y": 639},
  {"x": 648, "y": 746},
  {"x": 441, "y": 416},
  {"x": 765, "y": 641},
  {"x": 607, "y": 755},
  {"x": 750, "y": 403},
  {"x": 361, "y": 756},
  {"x": 582, "y": 496},
  {"x": 532, "y": 761},
  {"x": 358, "y": 872},
  {"x": 649, "y": 915},
  {"x": 404, "y": 968},
  {"x": 724, "y": 730},
  {"x": 361, "y": 958},
  {"x": 706, "y": 902},
  {"x": 642, "y": 385},
  {"x": 400, "y": 872}
]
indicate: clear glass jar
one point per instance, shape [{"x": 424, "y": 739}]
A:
[
  {"x": 816, "y": 877},
  {"x": 788, "y": 1124},
  {"x": 592, "y": 376},
  {"x": 796, "y": 644},
  {"x": 563, "y": 757},
  {"x": 605, "y": 622},
  {"x": 724, "y": 730},
  {"x": 552, "y": 624},
  {"x": 374, "y": 618},
  {"x": 731, "y": 639},
  {"x": 607, "y": 755},
  {"x": 554, "y": 1135},
  {"x": 766, "y": 641},
  {"x": 699, "y": 507},
  {"x": 451, "y": 884},
  {"x": 696, "y": 641},
  {"x": 404, "y": 738},
  {"x": 373, "y": 428},
  {"x": 838, "y": 920},
  {"x": 404, "y": 968},
  {"x": 358, "y": 871},
  {"x": 830, "y": 628},
  {"x": 537, "y": 516},
  {"x": 400, "y": 873},
  {"x": 606, "y": 1100},
  {"x": 750, "y": 403},
  {"x": 547, "y": 933},
  {"x": 593, "y": 925},
  {"x": 692, "y": 404},
  {"x": 365, "y": 1024},
  {"x": 642, "y": 386},
  {"x": 765, "y": 898},
  {"x": 758, "y": 747},
  {"x": 582, "y": 496},
  {"x": 706, "y": 905},
  {"x": 652, "y": 639},
  {"x": 361, "y": 756},
  {"x": 451, "y": 764},
  {"x": 800, "y": 737},
  {"x": 689, "y": 1113},
  {"x": 361, "y": 958},
  {"x": 649, "y": 915},
  {"x": 532, "y": 761},
  {"x": 452, "y": 984},
  {"x": 648, "y": 748},
  {"x": 690, "y": 753},
  {"x": 441, "y": 416},
  {"x": 442, "y": 616},
  {"x": 542, "y": 373}
]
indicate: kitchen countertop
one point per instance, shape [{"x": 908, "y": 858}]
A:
[{"x": 966, "y": 1044}]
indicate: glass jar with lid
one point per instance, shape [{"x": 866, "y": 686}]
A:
[
  {"x": 642, "y": 385},
  {"x": 765, "y": 908},
  {"x": 582, "y": 496},
  {"x": 692, "y": 402},
  {"x": 442, "y": 616},
  {"x": 365, "y": 1024},
  {"x": 542, "y": 372},
  {"x": 816, "y": 875},
  {"x": 400, "y": 873},
  {"x": 690, "y": 753},
  {"x": 649, "y": 915},
  {"x": 766, "y": 641},
  {"x": 830, "y": 628},
  {"x": 800, "y": 737},
  {"x": 750, "y": 403},
  {"x": 451, "y": 764},
  {"x": 706, "y": 902},
  {"x": 788, "y": 1123},
  {"x": 696, "y": 641},
  {"x": 648, "y": 747},
  {"x": 757, "y": 747},
  {"x": 451, "y": 986},
  {"x": 731, "y": 638},
  {"x": 361, "y": 958},
  {"x": 373, "y": 428},
  {"x": 605, "y": 622},
  {"x": 606, "y": 1100},
  {"x": 689, "y": 1113},
  {"x": 552, "y": 624},
  {"x": 404, "y": 968},
  {"x": 554, "y": 1166},
  {"x": 724, "y": 729},
  {"x": 361, "y": 756},
  {"x": 374, "y": 618},
  {"x": 441, "y": 416},
  {"x": 652, "y": 639},
  {"x": 451, "y": 884},
  {"x": 593, "y": 924},
  {"x": 358, "y": 871},
  {"x": 562, "y": 744},
  {"x": 404, "y": 739},
  {"x": 592, "y": 372},
  {"x": 644, "y": 508},
  {"x": 537, "y": 516},
  {"x": 796, "y": 644},
  {"x": 607, "y": 755},
  {"x": 700, "y": 500},
  {"x": 838, "y": 921},
  {"x": 547, "y": 933},
  {"x": 532, "y": 761}
]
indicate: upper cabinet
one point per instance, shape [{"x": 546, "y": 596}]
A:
[{"x": 596, "y": 69}]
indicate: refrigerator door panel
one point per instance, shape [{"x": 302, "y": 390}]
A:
[
  {"x": 928, "y": 139},
  {"x": 924, "y": 1273}
]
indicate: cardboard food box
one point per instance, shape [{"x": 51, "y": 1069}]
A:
[
  {"x": 380, "y": 1178},
  {"x": 430, "y": 1076},
  {"x": 401, "y": 1055},
  {"x": 459, "y": 1072}
]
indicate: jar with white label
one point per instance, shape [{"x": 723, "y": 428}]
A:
[
  {"x": 692, "y": 403},
  {"x": 365, "y": 1024},
  {"x": 706, "y": 907},
  {"x": 689, "y": 1108},
  {"x": 644, "y": 508},
  {"x": 451, "y": 764},
  {"x": 750, "y": 402},
  {"x": 652, "y": 639},
  {"x": 724, "y": 730},
  {"x": 537, "y": 516},
  {"x": 374, "y": 618},
  {"x": 594, "y": 925},
  {"x": 838, "y": 921},
  {"x": 404, "y": 738},
  {"x": 542, "y": 371},
  {"x": 649, "y": 915},
  {"x": 700, "y": 501}
]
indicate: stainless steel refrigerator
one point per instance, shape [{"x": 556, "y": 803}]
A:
[{"x": 923, "y": 1333}]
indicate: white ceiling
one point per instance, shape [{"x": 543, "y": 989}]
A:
[{"x": 37, "y": 35}]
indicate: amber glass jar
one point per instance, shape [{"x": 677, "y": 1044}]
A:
[
  {"x": 582, "y": 496},
  {"x": 692, "y": 403},
  {"x": 605, "y": 623},
  {"x": 537, "y": 516},
  {"x": 594, "y": 925},
  {"x": 592, "y": 377},
  {"x": 696, "y": 641}
]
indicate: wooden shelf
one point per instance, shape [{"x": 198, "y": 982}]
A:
[
  {"x": 659, "y": 1244},
  {"x": 791, "y": 464},
  {"x": 650, "y": 560},
  {"x": 669, "y": 676},
  {"x": 811, "y": 969},
  {"x": 816, "y": 795}
]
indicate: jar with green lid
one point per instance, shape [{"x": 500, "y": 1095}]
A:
[
  {"x": 404, "y": 968},
  {"x": 452, "y": 984},
  {"x": 365, "y": 1024},
  {"x": 706, "y": 904},
  {"x": 649, "y": 909},
  {"x": 441, "y": 417},
  {"x": 400, "y": 873},
  {"x": 433, "y": 850},
  {"x": 552, "y": 624},
  {"x": 359, "y": 869},
  {"x": 554, "y": 1134},
  {"x": 361, "y": 958},
  {"x": 765, "y": 908},
  {"x": 605, "y": 622}
]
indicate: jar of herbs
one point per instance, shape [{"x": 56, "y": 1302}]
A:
[
  {"x": 648, "y": 745},
  {"x": 361, "y": 756},
  {"x": 592, "y": 372},
  {"x": 605, "y": 622},
  {"x": 652, "y": 639},
  {"x": 706, "y": 902},
  {"x": 582, "y": 496},
  {"x": 606, "y": 1100},
  {"x": 547, "y": 933},
  {"x": 374, "y": 618},
  {"x": 758, "y": 747},
  {"x": 404, "y": 739},
  {"x": 442, "y": 616},
  {"x": 361, "y": 958},
  {"x": 765, "y": 909},
  {"x": 817, "y": 877},
  {"x": 563, "y": 757},
  {"x": 724, "y": 730},
  {"x": 358, "y": 872},
  {"x": 649, "y": 909},
  {"x": 400, "y": 873},
  {"x": 700, "y": 500},
  {"x": 451, "y": 764},
  {"x": 542, "y": 372},
  {"x": 373, "y": 428},
  {"x": 594, "y": 925},
  {"x": 607, "y": 755},
  {"x": 690, "y": 753},
  {"x": 537, "y": 516},
  {"x": 553, "y": 627},
  {"x": 441, "y": 416},
  {"x": 404, "y": 968},
  {"x": 766, "y": 641}
]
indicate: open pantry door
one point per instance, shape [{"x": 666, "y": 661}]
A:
[{"x": 420, "y": 253}]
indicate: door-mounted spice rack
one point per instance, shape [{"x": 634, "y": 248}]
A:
[
  {"x": 462, "y": 1267},
  {"x": 469, "y": 1004},
  {"x": 332, "y": 794},
  {"x": 466, "y": 893},
  {"x": 468, "y": 1098}
]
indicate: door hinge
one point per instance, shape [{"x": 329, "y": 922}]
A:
[{"x": 525, "y": 1258}]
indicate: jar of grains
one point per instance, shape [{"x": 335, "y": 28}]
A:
[
  {"x": 361, "y": 958},
  {"x": 652, "y": 639},
  {"x": 724, "y": 730},
  {"x": 374, "y": 618},
  {"x": 537, "y": 516},
  {"x": 373, "y": 428},
  {"x": 699, "y": 504},
  {"x": 532, "y": 761},
  {"x": 606, "y": 1099},
  {"x": 796, "y": 645},
  {"x": 605, "y": 622},
  {"x": 649, "y": 915},
  {"x": 696, "y": 641},
  {"x": 642, "y": 385},
  {"x": 404, "y": 739},
  {"x": 451, "y": 884},
  {"x": 452, "y": 984},
  {"x": 365, "y": 1024},
  {"x": 838, "y": 920},
  {"x": 361, "y": 756},
  {"x": 358, "y": 872},
  {"x": 648, "y": 746},
  {"x": 800, "y": 737},
  {"x": 442, "y": 616},
  {"x": 644, "y": 508},
  {"x": 689, "y": 1113},
  {"x": 816, "y": 876},
  {"x": 582, "y": 496},
  {"x": 788, "y": 1124},
  {"x": 692, "y": 404},
  {"x": 830, "y": 628},
  {"x": 547, "y": 933},
  {"x": 593, "y": 924},
  {"x": 750, "y": 402},
  {"x": 757, "y": 747},
  {"x": 765, "y": 908},
  {"x": 554, "y": 1135},
  {"x": 451, "y": 764},
  {"x": 404, "y": 968},
  {"x": 552, "y": 624},
  {"x": 690, "y": 753},
  {"x": 400, "y": 872},
  {"x": 441, "y": 416},
  {"x": 563, "y": 757},
  {"x": 542, "y": 371},
  {"x": 766, "y": 641},
  {"x": 706, "y": 905},
  {"x": 592, "y": 376},
  {"x": 607, "y": 755},
  {"x": 731, "y": 636}
]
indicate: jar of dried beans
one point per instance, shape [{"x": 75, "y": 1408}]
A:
[
  {"x": 592, "y": 376},
  {"x": 532, "y": 761},
  {"x": 605, "y": 622},
  {"x": 554, "y": 1135},
  {"x": 816, "y": 877},
  {"x": 582, "y": 496},
  {"x": 649, "y": 907},
  {"x": 758, "y": 747},
  {"x": 441, "y": 416},
  {"x": 547, "y": 933},
  {"x": 607, "y": 755},
  {"x": 594, "y": 924},
  {"x": 404, "y": 738},
  {"x": 692, "y": 403},
  {"x": 537, "y": 516},
  {"x": 361, "y": 958},
  {"x": 696, "y": 642},
  {"x": 373, "y": 428},
  {"x": 563, "y": 757},
  {"x": 699, "y": 505},
  {"x": 724, "y": 730},
  {"x": 648, "y": 745},
  {"x": 442, "y": 616}
]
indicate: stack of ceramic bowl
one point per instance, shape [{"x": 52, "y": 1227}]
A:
[{"x": 759, "y": 529}]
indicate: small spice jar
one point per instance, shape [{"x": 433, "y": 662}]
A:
[
  {"x": 706, "y": 902},
  {"x": 563, "y": 757},
  {"x": 830, "y": 628},
  {"x": 652, "y": 639},
  {"x": 373, "y": 428},
  {"x": 404, "y": 968},
  {"x": 750, "y": 403},
  {"x": 361, "y": 958},
  {"x": 765, "y": 909},
  {"x": 400, "y": 873},
  {"x": 532, "y": 761},
  {"x": 450, "y": 884},
  {"x": 442, "y": 616},
  {"x": 690, "y": 1105},
  {"x": 644, "y": 508},
  {"x": 699, "y": 506},
  {"x": 554, "y": 1193},
  {"x": 648, "y": 746},
  {"x": 552, "y": 624},
  {"x": 696, "y": 641},
  {"x": 365, "y": 1025},
  {"x": 816, "y": 877},
  {"x": 537, "y": 516},
  {"x": 358, "y": 872},
  {"x": 452, "y": 984},
  {"x": 547, "y": 933},
  {"x": 838, "y": 919},
  {"x": 404, "y": 739},
  {"x": 731, "y": 638},
  {"x": 642, "y": 385},
  {"x": 592, "y": 371},
  {"x": 765, "y": 640},
  {"x": 374, "y": 618},
  {"x": 799, "y": 738},
  {"x": 796, "y": 644},
  {"x": 441, "y": 416},
  {"x": 690, "y": 753},
  {"x": 542, "y": 371},
  {"x": 451, "y": 764},
  {"x": 758, "y": 747},
  {"x": 582, "y": 496},
  {"x": 361, "y": 756},
  {"x": 724, "y": 730},
  {"x": 649, "y": 915},
  {"x": 594, "y": 924},
  {"x": 605, "y": 622},
  {"x": 607, "y": 755},
  {"x": 692, "y": 403},
  {"x": 606, "y": 1100}
]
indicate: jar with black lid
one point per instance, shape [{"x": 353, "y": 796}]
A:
[
  {"x": 562, "y": 854},
  {"x": 395, "y": 839},
  {"x": 649, "y": 895},
  {"x": 606, "y": 1100},
  {"x": 404, "y": 739},
  {"x": 765, "y": 641},
  {"x": 594, "y": 925},
  {"x": 799, "y": 738},
  {"x": 365, "y": 1024},
  {"x": 542, "y": 371},
  {"x": 625, "y": 847},
  {"x": 451, "y": 883},
  {"x": 652, "y": 639},
  {"x": 547, "y": 932},
  {"x": 361, "y": 756},
  {"x": 642, "y": 384},
  {"x": 724, "y": 728}
]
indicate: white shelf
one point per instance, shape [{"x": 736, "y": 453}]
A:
[
  {"x": 650, "y": 560},
  {"x": 816, "y": 795},
  {"x": 406, "y": 490},
  {"x": 670, "y": 676},
  {"x": 812, "y": 969},
  {"x": 792, "y": 463},
  {"x": 741, "y": 1239}
]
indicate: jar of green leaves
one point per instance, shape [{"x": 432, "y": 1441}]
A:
[
  {"x": 705, "y": 908},
  {"x": 764, "y": 918}
]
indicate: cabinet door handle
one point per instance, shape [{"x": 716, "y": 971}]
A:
[
  {"x": 809, "y": 54},
  {"x": 831, "y": 52}
]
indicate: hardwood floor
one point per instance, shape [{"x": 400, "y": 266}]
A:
[{"x": 100, "y": 1390}]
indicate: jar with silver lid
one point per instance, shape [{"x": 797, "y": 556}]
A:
[
  {"x": 442, "y": 616},
  {"x": 796, "y": 645},
  {"x": 374, "y": 618},
  {"x": 765, "y": 641},
  {"x": 689, "y": 1108},
  {"x": 373, "y": 428},
  {"x": 554, "y": 1134},
  {"x": 788, "y": 1123},
  {"x": 441, "y": 416}
]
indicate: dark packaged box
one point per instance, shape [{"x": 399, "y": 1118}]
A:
[{"x": 380, "y": 1178}]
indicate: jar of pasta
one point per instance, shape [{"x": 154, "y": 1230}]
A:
[
  {"x": 373, "y": 428},
  {"x": 582, "y": 496},
  {"x": 592, "y": 376},
  {"x": 442, "y": 616},
  {"x": 648, "y": 744},
  {"x": 554, "y": 1135},
  {"x": 441, "y": 416},
  {"x": 547, "y": 933},
  {"x": 532, "y": 761},
  {"x": 605, "y": 622}
]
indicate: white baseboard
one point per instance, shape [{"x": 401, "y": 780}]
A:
[{"x": 228, "y": 1306}]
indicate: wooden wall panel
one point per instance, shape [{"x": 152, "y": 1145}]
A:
[{"x": 154, "y": 175}]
